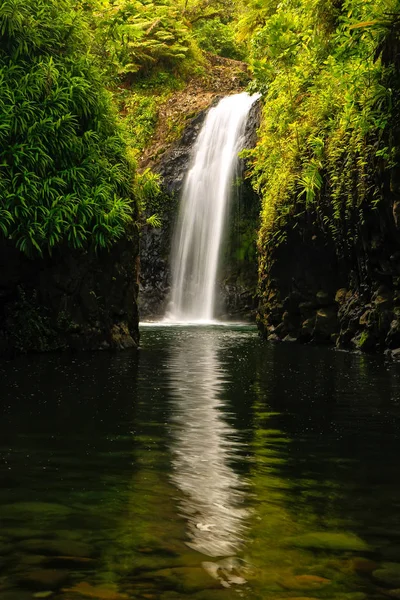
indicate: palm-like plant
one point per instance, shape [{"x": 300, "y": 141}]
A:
[{"x": 64, "y": 171}]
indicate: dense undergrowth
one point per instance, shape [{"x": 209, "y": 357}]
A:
[
  {"x": 82, "y": 82},
  {"x": 65, "y": 173},
  {"x": 328, "y": 75}
]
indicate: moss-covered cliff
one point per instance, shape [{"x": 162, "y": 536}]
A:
[{"x": 326, "y": 168}]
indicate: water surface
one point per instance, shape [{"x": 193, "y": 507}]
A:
[{"x": 208, "y": 464}]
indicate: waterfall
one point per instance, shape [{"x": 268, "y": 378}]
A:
[{"x": 203, "y": 210}]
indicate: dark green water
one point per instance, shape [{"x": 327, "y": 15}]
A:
[{"x": 208, "y": 465}]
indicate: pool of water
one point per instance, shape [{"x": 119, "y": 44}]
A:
[{"x": 207, "y": 465}]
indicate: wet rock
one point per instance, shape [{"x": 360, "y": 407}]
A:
[
  {"x": 383, "y": 298},
  {"x": 393, "y": 337},
  {"x": 44, "y": 579},
  {"x": 120, "y": 337},
  {"x": 289, "y": 338},
  {"x": 72, "y": 299},
  {"x": 306, "y": 331},
  {"x": 341, "y": 296},
  {"x": 291, "y": 323},
  {"x": 307, "y": 309},
  {"x": 326, "y": 324},
  {"x": 273, "y": 337},
  {"x": 365, "y": 318},
  {"x": 292, "y": 302},
  {"x": 395, "y": 354},
  {"x": 335, "y": 542}
]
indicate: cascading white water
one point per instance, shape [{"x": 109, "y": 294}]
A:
[{"x": 203, "y": 210}]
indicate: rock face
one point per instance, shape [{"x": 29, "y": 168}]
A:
[
  {"x": 238, "y": 276},
  {"x": 312, "y": 294},
  {"x": 72, "y": 300}
]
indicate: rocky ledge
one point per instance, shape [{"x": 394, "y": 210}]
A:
[
  {"x": 71, "y": 300},
  {"x": 312, "y": 296}
]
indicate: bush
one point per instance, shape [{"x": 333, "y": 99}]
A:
[
  {"x": 219, "y": 38},
  {"x": 64, "y": 171}
]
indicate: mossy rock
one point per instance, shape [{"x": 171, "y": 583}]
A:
[{"x": 333, "y": 542}]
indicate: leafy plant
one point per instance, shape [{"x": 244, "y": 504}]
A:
[
  {"x": 327, "y": 77},
  {"x": 140, "y": 36},
  {"x": 65, "y": 176}
]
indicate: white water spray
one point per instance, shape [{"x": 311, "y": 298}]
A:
[{"x": 203, "y": 210}]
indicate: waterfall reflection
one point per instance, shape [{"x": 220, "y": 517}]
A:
[{"x": 204, "y": 444}]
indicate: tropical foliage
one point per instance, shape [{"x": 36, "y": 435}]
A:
[
  {"x": 67, "y": 159},
  {"x": 142, "y": 36},
  {"x": 330, "y": 97},
  {"x": 65, "y": 175}
]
